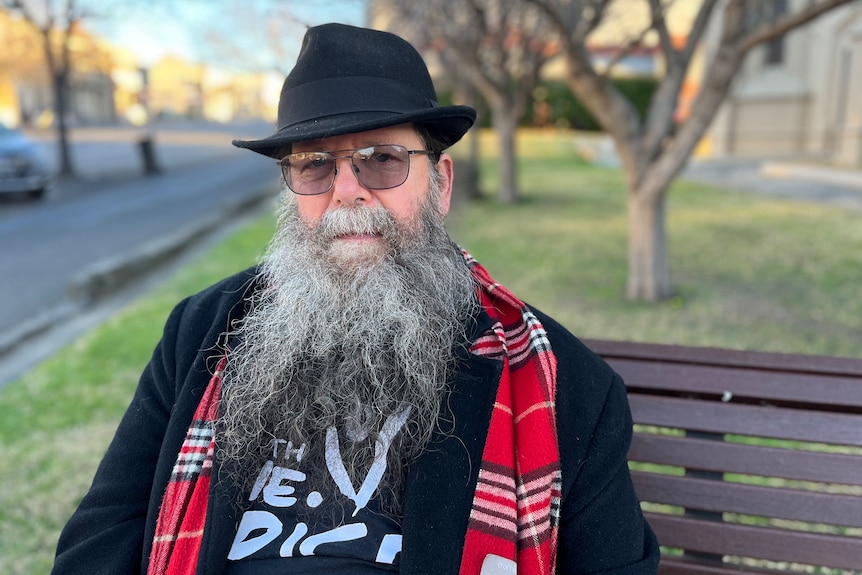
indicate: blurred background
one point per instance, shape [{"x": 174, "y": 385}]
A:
[
  {"x": 117, "y": 117},
  {"x": 81, "y": 63},
  {"x": 670, "y": 171},
  {"x": 130, "y": 62}
]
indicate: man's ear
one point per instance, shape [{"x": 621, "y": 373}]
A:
[{"x": 447, "y": 175}]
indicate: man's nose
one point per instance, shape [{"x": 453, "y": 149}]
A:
[{"x": 346, "y": 189}]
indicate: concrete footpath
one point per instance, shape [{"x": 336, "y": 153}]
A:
[
  {"x": 796, "y": 179},
  {"x": 800, "y": 181}
]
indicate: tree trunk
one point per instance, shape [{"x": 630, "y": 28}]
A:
[
  {"x": 505, "y": 125},
  {"x": 475, "y": 191},
  {"x": 67, "y": 169},
  {"x": 649, "y": 277},
  {"x": 467, "y": 174}
]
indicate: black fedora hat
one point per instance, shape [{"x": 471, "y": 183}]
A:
[{"x": 348, "y": 79}]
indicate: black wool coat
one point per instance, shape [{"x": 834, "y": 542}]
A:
[{"x": 602, "y": 529}]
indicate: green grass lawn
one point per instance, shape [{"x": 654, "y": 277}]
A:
[{"x": 750, "y": 273}]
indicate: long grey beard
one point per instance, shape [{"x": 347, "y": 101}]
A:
[{"x": 335, "y": 343}]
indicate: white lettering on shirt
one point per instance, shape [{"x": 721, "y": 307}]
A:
[
  {"x": 277, "y": 486},
  {"x": 335, "y": 464}
]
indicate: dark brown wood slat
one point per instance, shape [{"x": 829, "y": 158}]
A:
[
  {"x": 751, "y": 459},
  {"x": 839, "y": 552},
  {"x": 719, "y": 417},
  {"x": 774, "y": 502},
  {"x": 726, "y": 357},
  {"x": 813, "y": 389},
  {"x": 671, "y": 565}
]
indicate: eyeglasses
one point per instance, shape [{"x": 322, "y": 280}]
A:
[{"x": 376, "y": 167}]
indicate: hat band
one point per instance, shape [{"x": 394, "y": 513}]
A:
[{"x": 347, "y": 95}]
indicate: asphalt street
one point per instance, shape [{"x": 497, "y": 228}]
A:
[{"x": 108, "y": 228}]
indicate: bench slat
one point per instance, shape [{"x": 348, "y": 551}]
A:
[
  {"x": 784, "y": 362},
  {"x": 787, "y": 397},
  {"x": 814, "y": 389},
  {"x": 672, "y": 565},
  {"x": 719, "y": 417},
  {"x": 748, "y": 541},
  {"x": 722, "y": 456},
  {"x": 774, "y": 502}
]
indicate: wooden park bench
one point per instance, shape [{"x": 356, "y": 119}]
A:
[{"x": 746, "y": 462}]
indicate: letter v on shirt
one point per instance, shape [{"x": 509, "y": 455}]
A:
[{"x": 335, "y": 464}]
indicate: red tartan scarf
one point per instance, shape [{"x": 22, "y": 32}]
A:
[
  {"x": 180, "y": 526},
  {"x": 514, "y": 518},
  {"x": 516, "y": 507}
]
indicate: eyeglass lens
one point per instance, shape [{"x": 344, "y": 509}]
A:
[{"x": 376, "y": 168}]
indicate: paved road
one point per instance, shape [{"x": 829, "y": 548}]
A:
[{"x": 113, "y": 214}]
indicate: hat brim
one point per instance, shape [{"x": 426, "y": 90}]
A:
[{"x": 447, "y": 123}]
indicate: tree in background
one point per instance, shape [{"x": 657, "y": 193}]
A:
[
  {"x": 497, "y": 46},
  {"x": 56, "y": 25},
  {"x": 257, "y": 35},
  {"x": 653, "y": 151}
]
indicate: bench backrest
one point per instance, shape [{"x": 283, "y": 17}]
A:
[{"x": 744, "y": 460}]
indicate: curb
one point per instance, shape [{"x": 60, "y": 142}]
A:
[
  {"x": 105, "y": 278},
  {"x": 39, "y": 324}
]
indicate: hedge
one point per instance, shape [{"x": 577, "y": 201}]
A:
[{"x": 553, "y": 104}]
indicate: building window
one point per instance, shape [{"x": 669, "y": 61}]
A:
[{"x": 774, "y": 55}]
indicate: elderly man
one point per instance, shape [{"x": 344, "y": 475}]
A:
[{"x": 368, "y": 399}]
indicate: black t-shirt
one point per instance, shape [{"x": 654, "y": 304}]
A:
[{"x": 337, "y": 527}]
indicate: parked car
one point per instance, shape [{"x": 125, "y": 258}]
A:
[{"x": 22, "y": 168}]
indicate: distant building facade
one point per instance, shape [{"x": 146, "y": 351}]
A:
[
  {"x": 107, "y": 85},
  {"x": 798, "y": 96},
  {"x": 26, "y": 90}
]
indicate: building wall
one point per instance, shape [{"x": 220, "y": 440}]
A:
[
  {"x": 770, "y": 126},
  {"x": 845, "y": 126},
  {"x": 809, "y": 105}
]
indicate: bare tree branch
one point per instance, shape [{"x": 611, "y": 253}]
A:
[
  {"x": 698, "y": 28},
  {"x": 771, "y": 30},
  {"x": 624, "y": 52},
  {"x": 657, "y": 13},
  {"x": 654, "y": 151},
  {"x": 595, "y": 11},
  {"x": 497, "y": 46}
]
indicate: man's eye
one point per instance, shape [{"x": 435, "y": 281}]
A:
[
  {"x": 382, "y": 157},
  {"x": 310, "y": 162}
]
